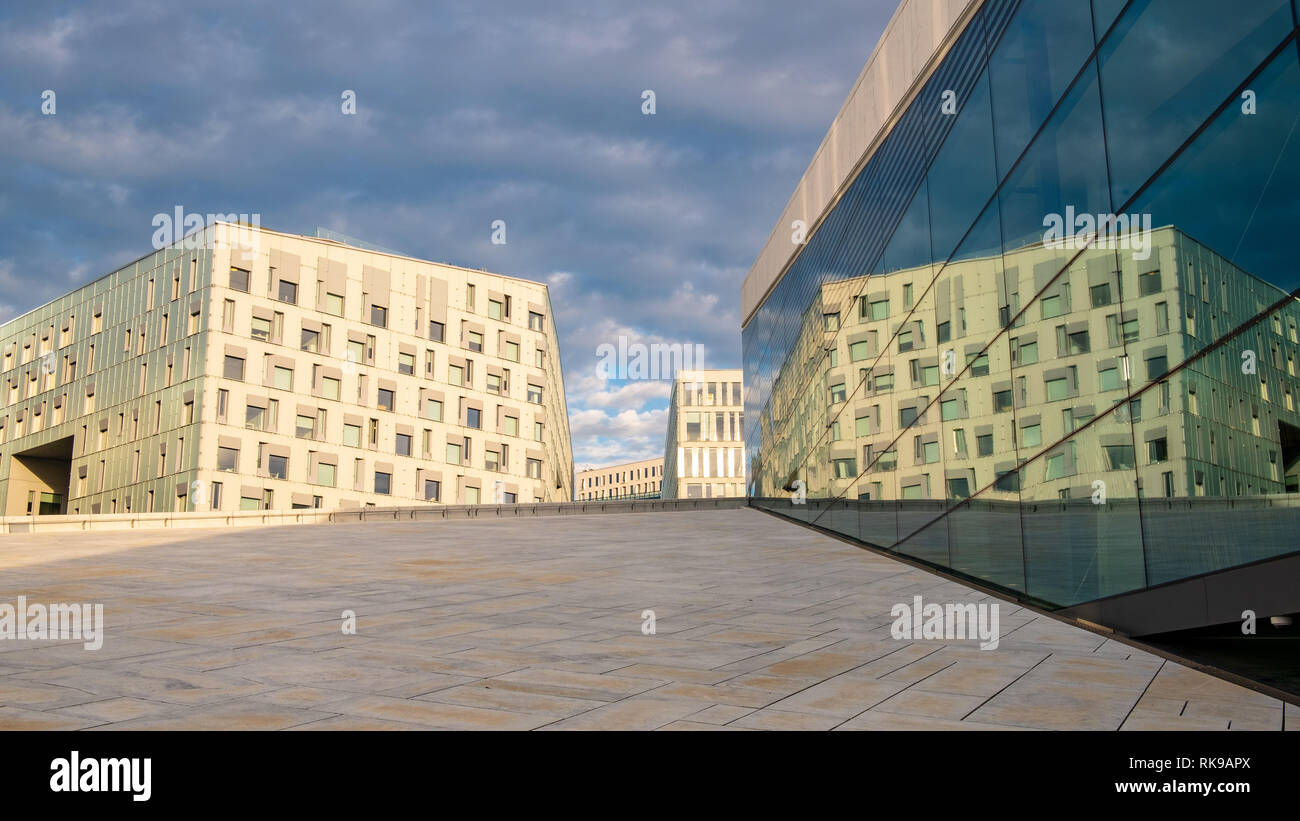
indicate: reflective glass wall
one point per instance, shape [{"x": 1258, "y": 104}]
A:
[{"x": 1048, "y": 336}]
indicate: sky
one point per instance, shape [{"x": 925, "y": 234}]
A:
[{"x": 643, "y": 226}]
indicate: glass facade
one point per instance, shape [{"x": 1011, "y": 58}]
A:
[{"x": 1047, "y": 336}]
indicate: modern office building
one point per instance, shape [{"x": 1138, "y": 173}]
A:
[
  {"x": 1030, "y": 314},
  {"x": 630, "y": 480},
  {"x": 270, "y": 371},
  {"x": 703, "y": 451}
]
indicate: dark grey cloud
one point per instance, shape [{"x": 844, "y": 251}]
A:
[{"x": 468, "y": 112}]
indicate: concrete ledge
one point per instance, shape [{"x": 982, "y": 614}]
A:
[{"x": 265, "y": 518}]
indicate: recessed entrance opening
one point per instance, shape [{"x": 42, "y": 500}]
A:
[
  {"x": 38, "y": 480},
  {"x": 1290, "y": 438}
]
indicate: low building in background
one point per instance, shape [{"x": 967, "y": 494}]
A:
[
  {"x": 287, "y": 372},
  {"x": 704, "y": 448},
  {"x": 630, "y": 480}
]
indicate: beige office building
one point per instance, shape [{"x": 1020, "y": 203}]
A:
[
  {"x": 271, "y": 371},
  {"x": 630, "y": 480},
  {"x": 704, "y": 453}
]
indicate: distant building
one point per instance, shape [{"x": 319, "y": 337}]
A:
[
  {"x": 630, "y": 480},
  {"x": 290, "y": 372},
  {"x": 704, "y": 449}
]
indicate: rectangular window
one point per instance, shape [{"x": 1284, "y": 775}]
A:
[
  {"x": 277, "y": 467},
  {"x": 352, "y": 436},
  {"x": 432, "y": 490},
  {"x": 1158, "y": 451},
  {"x": 287, "y": 292},
  {"x": 494, "y": 309},
  {"x": 261, "y": 329},
  {"x": 535, "y": 394},
  {"x": 378, "y": 318},
  {"x": 475, "y": 341},
  {"x": 383, "y": 483},
  {"x": 1057, "y": 389},
  {"x": 386, "y": 399},
  {"x": 1119, "y": 457},
  {"x": 228, "y": 459},
  {"x": 837, "y": 393},
  {"x": 1149, "y": 283},
  {"x": 325, "y": 474},
  {"x": 329, "y": 387},
  {"x": 334, "y": 304},
  {"x": 453, "y": 454},
  {"x": 1031, "y": 436},
  {"x": 1109, "y": 379},
  {"x": 1100, "y": 295},
  {"x": 534, "y": 468},
  {"x": 433, "y": 409},
  {"x": 437, "y": 331},
  {"x": 473, "y": 418},
  {"x": 283, "y": 378},
  {"x": 535, "y": 321},
  {"x": 402, "y": 445},
  {"x": 984, "y": 444},
  {"x": 234, "y": 368},
  {"x": 455, "y": 375},
  {"x": 239, "y": 279}
]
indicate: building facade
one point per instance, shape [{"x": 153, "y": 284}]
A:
[
  {"x": 630, "y": 480},
  {"x": 703, "y": 451},
  {"x": 1043, "y": 311},
  {"x": 262, "y": 370}
]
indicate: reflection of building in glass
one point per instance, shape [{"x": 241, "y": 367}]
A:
[
  {"x": 630, "y": 480},
  {"x": 1111, "y": 417},
  {"x": 703, "y": 454},
  {"x": 917, "y": 405},
  {"x": 300, "y": 373}
]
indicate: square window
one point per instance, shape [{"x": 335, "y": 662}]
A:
[
  {"x": 334, "y": 304},
  {"x": 325, "y": 474},
  {"x": 283, "y": 378},
  {"x": 261, "y": 328},
  {"x": 277, "y": 467},
  {"x": 239, "y": 279},
  {"x": 234, "y": 368},
  {"x": 228, "y": 459}
]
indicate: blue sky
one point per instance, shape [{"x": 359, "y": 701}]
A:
[{"x": 470, "y": 112}]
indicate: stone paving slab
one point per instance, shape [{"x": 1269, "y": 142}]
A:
[{"x": 521, "y": 624}]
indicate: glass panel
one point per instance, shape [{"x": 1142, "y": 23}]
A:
[
  {"x": 1189, "y": 56},
  {"x": 1038, "y": 56}
]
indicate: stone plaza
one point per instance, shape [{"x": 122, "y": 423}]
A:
[{"x": 541, "y": 623}]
